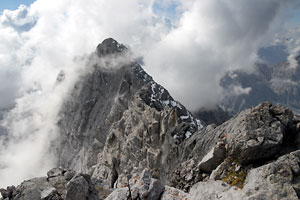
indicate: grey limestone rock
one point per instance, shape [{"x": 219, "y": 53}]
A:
[
  {"x": 77, "y": 188},
  {"x": 139, "y": 187},
  {"x": 129, "y": 135},
  {"x": 277, "y": 180},
  {"x": 253, "y": 137},
  {"x": 37, "y": 188},
  {"x": 119, "y": 194},
  {"x": 171, "y": 193},
  {"x": 146, "y": 187},
  {"x": 117, "y": 119},
  {"x": 257, "y": 133},
  {"x": 212, "y": 190},
  {"x": 56, "y": 186}
]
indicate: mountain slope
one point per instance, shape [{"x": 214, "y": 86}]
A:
[
  {"x": 115, "y": 110},
  {"x": 122, "y": 136}
]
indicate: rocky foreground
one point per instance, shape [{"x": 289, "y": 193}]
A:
[
  {"x": 124, "y": 137},
  {"x": 252, "y": 156}
]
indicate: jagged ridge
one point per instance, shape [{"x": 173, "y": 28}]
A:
[{"x": 130, "y": 136}]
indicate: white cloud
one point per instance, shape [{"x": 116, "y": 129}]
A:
[
  {"x": 18, "y": 19},
  {"x": 289, "y": 38},
  {"x": 213, "y": 36},
  {"x": 239, "y": 90},
  {"x": 61, "y": 31},
  {"x": 188, "y": 58}
]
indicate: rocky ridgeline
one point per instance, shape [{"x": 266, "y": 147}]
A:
[
  {"x": 118, "y": 120},
  {"x": 129, "y": 139}
]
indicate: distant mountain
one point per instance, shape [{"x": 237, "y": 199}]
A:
[
  {"x": 277, "y": 83},
  {"x": 273, "y": 54},
  {"x": 215, "y": 115}
]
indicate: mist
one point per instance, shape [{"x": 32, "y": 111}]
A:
[
  {"x": 187, "y": 51},
  {"x": 213, "y": 37}
]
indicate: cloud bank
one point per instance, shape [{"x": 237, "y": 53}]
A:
[
  {"x": 186, "y": 47},
  {"x": 213, "y": 36}
]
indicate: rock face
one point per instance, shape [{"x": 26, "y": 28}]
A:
[
  {"x": 127, "y": 138},
  {"x": 215, "y": 115},
  {"x": 145, "y": 187},
  {"x": 118, "y": 120},
  {"x": 58, "y": 185},
  {"x": 252, "y": 156}
]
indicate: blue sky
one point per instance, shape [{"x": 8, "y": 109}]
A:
[
  {"x": 13, "y": 4},
  {"x": 295, "y": 21},
  {"x": 169, "y": 11}
]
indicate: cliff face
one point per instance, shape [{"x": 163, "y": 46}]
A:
[
  {"x": 118, "y": 119},
  {"x": 124, "y": 133}
]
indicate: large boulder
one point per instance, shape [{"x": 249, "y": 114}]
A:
[
  {"x": 171, "y": 193},
  {"x": 258, "y": 133},
  {"x": 253, "y": 137},
  {"x": 277, "y": 180},
  {"x": 60, "y": 184},
  {"x": 212, "y": 190},
  {"x": 141, "y": 187}
]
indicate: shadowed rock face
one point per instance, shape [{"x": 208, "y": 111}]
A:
[
  {"x": 109, "y": 46},
  {"x": 215, "y": 115}
]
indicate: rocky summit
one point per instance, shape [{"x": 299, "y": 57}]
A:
[{"x": 123, "y": 136}]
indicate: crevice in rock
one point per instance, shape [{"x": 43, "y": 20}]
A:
[
  {"x": 114, "y": 176},
  {"x": 297, "y": 190},
  {"x": 129, "y": 197}
]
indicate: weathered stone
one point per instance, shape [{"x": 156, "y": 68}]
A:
[
  {"x": 56, "y": 187},
  {"x": 146, "y": 187},
  {"x": 213, "y": 158},
  {"x": 276, "y": 180},
  {"x": 77, "y": 188},
  {"x": 69, "y": 174},
  {"x": 171, "y": 193},
  {"x": 50, "y": 194},
  {"x": 257, "y": 133},
  {"x": 9, "y": 192},
  {"x": 129, "y": 134},
  {"x": 35, "y": 189},
  {"x": 119, "y": 194},
  {"x": 55, "y": 172},
  {"x": 212, "y": 190}
]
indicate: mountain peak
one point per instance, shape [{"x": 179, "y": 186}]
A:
[{"x": 110, "y": 46}]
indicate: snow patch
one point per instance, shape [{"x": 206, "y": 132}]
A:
[
  {"x": 188, "y": 134},
  {"x": 184, "y": 117},
  {"x": 199, "y": 125},
  {"x": 153, "y": 92}
]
